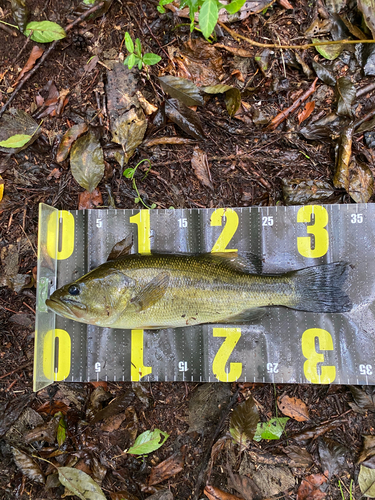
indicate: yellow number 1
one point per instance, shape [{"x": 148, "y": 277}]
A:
[
  {"x": 142, "y": 219},
  {"x": 317, "y": 230}
]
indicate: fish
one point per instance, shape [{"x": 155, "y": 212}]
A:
[{"x": 157, "y": 291}]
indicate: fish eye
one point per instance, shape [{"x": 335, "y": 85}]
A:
[{"x": 74, "y": 290}]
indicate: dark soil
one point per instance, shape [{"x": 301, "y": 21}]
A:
[{"x": 247, "y": 165}]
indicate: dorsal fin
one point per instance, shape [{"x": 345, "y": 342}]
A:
[
  {"x": 245, "y": 262},
  {"x": 122, "y": 248}
]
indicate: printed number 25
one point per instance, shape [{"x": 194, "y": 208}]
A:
[{"x": 316, "y": 245}]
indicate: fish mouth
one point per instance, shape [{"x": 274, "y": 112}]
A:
[{"x": 66, "y": 307}]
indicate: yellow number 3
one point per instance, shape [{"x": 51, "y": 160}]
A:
[
  {"x": 310, "y": 368},
  {"x": 317, "y": 230}
]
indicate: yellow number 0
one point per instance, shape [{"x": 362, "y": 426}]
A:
[
  {"x": 232, "y": 336},
  {"x": 228, "y": 231},
  {"x": 310, "y": 368},
  {"x": 321, "y": 237},
  {"x": 64, "y": 220},
  {"x": 142, "y": 219},
  {"x": 64, "y": 354}
]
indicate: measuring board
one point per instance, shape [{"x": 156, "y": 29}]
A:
[{"x": 284, "y": 346}]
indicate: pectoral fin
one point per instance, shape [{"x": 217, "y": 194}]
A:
[{"x": 151, "y": 293}]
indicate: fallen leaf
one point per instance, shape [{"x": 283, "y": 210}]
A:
[
  {"x": 341, "y": 177},
  {"x": 149, "y": 143},
  {"x": 20, "y": 13},
  {"x": 89, "y": 200},
  {"x": 148, "y": 441},
  {"x": 306, "y": 112},
  {"x": 366, "y": 481},
  {"x": 346, "y": 94},
  {"x": 80, "y": 484},
  {"x": 368, "y": 448},
  {"x": 364, "y": 400},
  {"x": 182, "y": 89},
  {"x": 244, "y": 485},
  {"x": 300, "y": 456},
  {"x": 128, "y": 130},
  {"x": 272, "y": 480},
  {"x": 87, "y": 161},
  {"x": 68, "y": 139},
  {"x": 36, "y": 52},
  {"x": 244, "y": 421},
  {"x": 272, "y": 429},
  {"x": 325, "y": 74},
  {"x": 184, "y": 117},
  {"x": 286, "y": 4},
  {"x": 361, "y": 186},
  {"x": 46, "y": 432},
  {"x": 166, "y": 469},
  {"x": 367, "y": 7},
  {"x": 44, "y": 31},
  {"x": 306, "y": 191},
  {"x": 330, "y": 52},
  {"x": 332, "y": 456},
  {"x": 201, "y": 168},
  {"x": 309, "y": 487},
  {"x": 27, "y": 465},
  {"x": 213, "y": 493},
  {"x": 52, "y": 407},
  {"x": 294, "y": 408},
  {"x": 17, "y": 122},
  {"x": 123, "y": 495}
]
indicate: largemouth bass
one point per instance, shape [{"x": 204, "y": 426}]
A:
[{"x": 161, "y": 291}]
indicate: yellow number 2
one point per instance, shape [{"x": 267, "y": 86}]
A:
[
  {"x": 232, "y": 336},
  {"x": 310, "y": 368},
  {"x": 319, "y": 234},
  {"x": 228, "y": 231}
]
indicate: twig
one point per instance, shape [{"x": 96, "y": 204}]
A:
[
  {"x": 17, "y": 369},
  {"x": 238, "y": 37},
  {"x": 367, "y": 117},
  {"x": 206, "y": 457},
  {"x": 45, "y": 55},
  {"x": 367, "y": 88},
  {"x": 275, "y": 122},
  {"x": 6, "y": 28}
]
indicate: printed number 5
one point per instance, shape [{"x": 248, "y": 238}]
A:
[
  {"x": 310, "y": 368},
  {"x": 319, "y": 238}
]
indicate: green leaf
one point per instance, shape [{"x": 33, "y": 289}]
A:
[
  {"x": 140, "y": 64},
  {"x": 208, "y": 17},
  {"x": 16, "y": 141},
  {"x": 272, "y": 429},
  {"x": 243, "y": 422},
  {"x": 366, "y": 481},
  {"x": 148, "y": 442},
  {"x": 216, "y": 89},
  {"x": 128, "y": 173},
  {"x": 44, "y": 31},
  {"x": 80, "y": 484},
  {"x": 329, "y": 52},
  {"x": 131, "y": 60},
  {"x": 160, "y": 7},
  {"x": 89, "y": 2},
  {"x": 138, "y": 47},
  {"x": 61, "y": 430},
  {"x": 128, "y": 43},
  {"x": 234, "y": 6},
  {"x": 150, "y": 59}
]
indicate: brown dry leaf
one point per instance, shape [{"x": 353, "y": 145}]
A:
[
  {"x": 237, "y": 51},
  {"x": 368, "y": 449},
  {"x": 361, "y": 185},
  {"x": 200, "y": 166},
  {"x": 199, "y": 62},
  {"x": 122, "y": 495},
  {"x": 306, "y": 112},
  {"x": 166, "y": 469},
  {"x": 294, "y": 408},
  {"x": 213, "y": 493},
  {"x": 36, "y": 52},
  {"x": 55, "y": 174},
  {"x": 245, "y": 486},
  {"x": 68, "y": 139},
  {"x": 341, "y": 177},
  {"x": 52, "y": 407},
  {"x": 90, "y": 200},
  {"x": 309, "y": 488},
  {"x": 113, "y": 423}
]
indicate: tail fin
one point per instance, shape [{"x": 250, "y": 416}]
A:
[{"x": 320, "y": 288}]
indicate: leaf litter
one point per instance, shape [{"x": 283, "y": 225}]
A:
[{"x": 242, "y": 161}]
